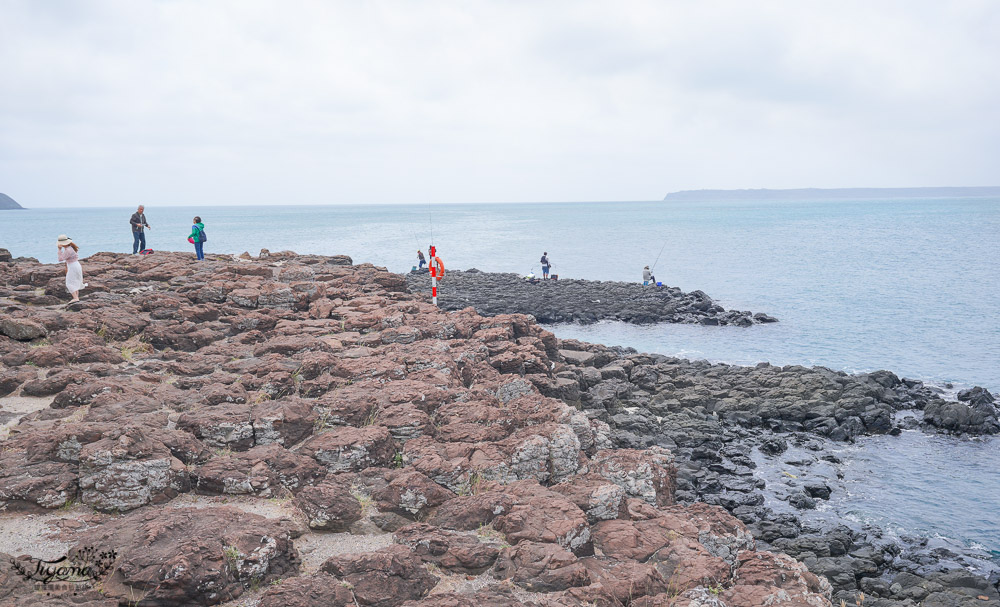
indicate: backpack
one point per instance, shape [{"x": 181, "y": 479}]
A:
[
  {"x": 201, "y": 236},
  {"x": 543, "y": 260}
]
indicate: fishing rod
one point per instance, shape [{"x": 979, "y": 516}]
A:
[{"x": 658, "y": 256}]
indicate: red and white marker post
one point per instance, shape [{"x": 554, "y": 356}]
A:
[{"x": 434, "y": 277}]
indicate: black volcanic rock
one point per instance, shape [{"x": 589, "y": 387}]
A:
[
  {"x": 583, "y": 301},
  {"x": 7, "y": 203}
]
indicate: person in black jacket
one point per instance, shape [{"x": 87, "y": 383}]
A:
[{"x": 138, "y": 221}]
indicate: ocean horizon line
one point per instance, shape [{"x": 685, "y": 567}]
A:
[{"x": 329, "y": 204}]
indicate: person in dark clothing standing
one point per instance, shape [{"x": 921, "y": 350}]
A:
[
  {"x": 138, "y": 222},
  {"x": 545, "y": 265},
  {"x": 420, "y": 258}
]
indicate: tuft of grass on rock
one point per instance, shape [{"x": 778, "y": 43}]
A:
[
  {"x": 232, "y": 554},
  {"x": 487, "y": 533},
  {"x": 366, "y": 501}
]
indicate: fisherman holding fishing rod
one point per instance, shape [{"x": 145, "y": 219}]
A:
[{"x": 647, "y": 273}]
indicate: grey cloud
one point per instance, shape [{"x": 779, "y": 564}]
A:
[{"x": 393, "y": 101}]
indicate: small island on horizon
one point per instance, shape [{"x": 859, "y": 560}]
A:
[
  {"x": 833, "y": 193},
  {"x": 8, "y": 203}
]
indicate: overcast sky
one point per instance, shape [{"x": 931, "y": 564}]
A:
[{"x": 297, "y": 102}]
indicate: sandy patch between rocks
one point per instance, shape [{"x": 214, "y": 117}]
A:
[
  {"x": 315, "y": 548},
  {"x": 267, "y": 507},
  {"x": 461, "y": 584},
  {"x": 22, "y": 533},
  {"x": 20, "y": 406}
]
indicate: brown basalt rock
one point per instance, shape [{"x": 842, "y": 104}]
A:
[
  {"x": 184, "y": 336},
  {"x": 127, "y": 469},
  {"x": 628, "y": 580},
  {"x": 467, "y": 411},
  {"x": 687, "y": 564},
  {"x": 764, "y": 579},
  {"x": 540, "y": 515},
  {"x": 405, "y": 421},
  {"x": 722, "y": 534},
  {"x": 600, "y": 499},
  {"x": 114, "y": 323},
  {"x": 251, "y": 321},
  {"x": 541, "y": 567},
  {"x": 471, "y": 432},
  {"x": 640, "y": 510},
  {"x": 288, "y": 345},
  {"x": 216, "y": 394},
  {"x": 195, "y": 365},
  {"x": 449, "y": 550},
  {"x": 53, "y": 383},
  {"x": 22, "y": 329},
  {"x": 318, "y": 386},
  {"x": 488, "y": 597},
  {"x": 184, "y": 446},
  {"x": 447, "y": 464},
  {"x": 65, "y": 354},
  {"x": 315, "y": 363},
  {"x": 12, "y": 379},
  {"x": 696, "y": 597},
  {"x": 648, "y": 474},
  {"x": 639, "y": 540},
  {"x": 594, "y": 595},
  {"x": 222, "y": 427},
  {"x": 276, "y": 295},
  {"x": 546, "y": 453},
  {"x": 37, "y": 275},
  {"x": 86, "y": 391},
  {"x": 192, "y": 556},
  {"x": 108, "y": 408},
  {"x": 35, "y": 485},
  {"x": 329, "y": 506},
  {"x": 285, "y": 421},
  {"x": 347, "y": 449},
  {"x": 263, "y": 471},
  {"x": 42, "y": 441},
  {"x": 308, "y": 591},
  {"x": 470, "y": 512},
  {"x": 245, "y": 298},
  {"x": 383, "y": 578},
  {"x": 411, "y": 494}
]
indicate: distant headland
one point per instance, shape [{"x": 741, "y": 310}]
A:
[
  {"x": 833, "y": 194},
  {"x": 6, "y": 202}
]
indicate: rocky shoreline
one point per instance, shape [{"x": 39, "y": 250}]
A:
[
  {"x": 299, "y": 430},
  {"x": 583, "y": 301}
]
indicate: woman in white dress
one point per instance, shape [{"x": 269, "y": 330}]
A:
[{"x": 74, "y": 271}]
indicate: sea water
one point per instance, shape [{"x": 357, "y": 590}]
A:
[{"x": 905, "y": 285}]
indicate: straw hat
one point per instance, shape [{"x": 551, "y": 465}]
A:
[{"x": 64, "y": 240}]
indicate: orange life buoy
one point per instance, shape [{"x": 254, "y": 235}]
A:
[{"x": 439, "y": 267}]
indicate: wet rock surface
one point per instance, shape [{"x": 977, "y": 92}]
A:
[
  {"x": 583, "y": 301},
  {"x": 299, "y": 430},
  {"x": 761, "y": 442}
]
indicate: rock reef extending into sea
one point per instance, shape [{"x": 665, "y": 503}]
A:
[
  {"x": 300, "y": 430},
  {"x": 583, "y": 301}
]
